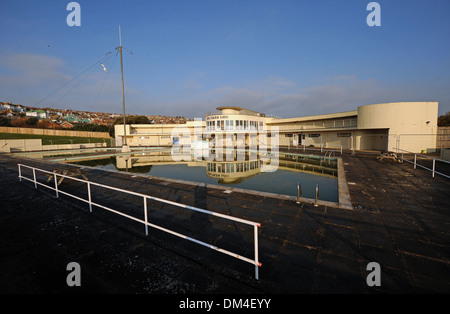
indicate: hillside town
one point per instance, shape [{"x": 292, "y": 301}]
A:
[{"x": 19, "y": 116}]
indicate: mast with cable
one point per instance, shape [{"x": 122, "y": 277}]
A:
[{"x": 125, "y": 147}]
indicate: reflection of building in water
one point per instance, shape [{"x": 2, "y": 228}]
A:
[
  {"x": 153, "y": 158},
  {"x": 309, "y": 164},
  {"x": 231, "y": 170}
]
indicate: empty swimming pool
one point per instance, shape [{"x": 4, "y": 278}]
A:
[{"x": 244, "y": 172}]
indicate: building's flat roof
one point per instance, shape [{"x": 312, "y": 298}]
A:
[{"x": 316, "y": 117}]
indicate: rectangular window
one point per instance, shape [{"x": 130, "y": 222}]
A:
[
  {"x": 344, "y": 135},
  {"x": 288, "y": 135},
  {"x": 313, "y": 135}
]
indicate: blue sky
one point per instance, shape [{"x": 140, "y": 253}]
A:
[{"x": 286, "y": 58}]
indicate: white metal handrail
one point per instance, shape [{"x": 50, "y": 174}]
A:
[
  {"x": 145, "y": 197},
  {"x": 433, "y": 170}
]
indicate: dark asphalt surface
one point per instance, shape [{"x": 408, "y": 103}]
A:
[{"x": 400, "y": 219}]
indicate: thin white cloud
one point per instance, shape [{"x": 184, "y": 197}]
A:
[
  {"x": 31, "y": 69},
  {"x": 42, "y": 80},
  {"x": 283, "y": 98}
]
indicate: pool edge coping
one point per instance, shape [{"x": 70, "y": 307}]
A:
[{"x": 343, "y": 193}]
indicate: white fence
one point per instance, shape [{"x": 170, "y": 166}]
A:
[
  {"x": 416, "y": 163},
  {"x": 255, "y": 225}
]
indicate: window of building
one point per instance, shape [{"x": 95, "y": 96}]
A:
[
  {"x": 220, "y": 125},
  {"x": 228, "y": 124},
  {"x": 347, "y": 134},
  {"x": 288, "y": 135},
  {"x": 314, "y": 135}
]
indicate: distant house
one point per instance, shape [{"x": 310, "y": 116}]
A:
[
  {"x": 18, "y": 108},
  {"x": 66, "y": 125},
  {"x": 76, "y": 119},
  {"x": 12, "y": 107},
  {"x": 41, "y": 114}
]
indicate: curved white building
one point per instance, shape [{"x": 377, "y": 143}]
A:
[
  {"x": 410, "y": 126},
  {"x": 235, "y": 126}
]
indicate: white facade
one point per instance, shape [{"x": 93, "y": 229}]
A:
[{"x": 411, "y": 126}]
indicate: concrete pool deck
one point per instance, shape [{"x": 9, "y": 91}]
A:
[{"x": 399, "y": 218}]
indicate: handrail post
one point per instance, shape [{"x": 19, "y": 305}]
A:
[
  {"x": 145, "y": 216},
  {"x": 434, "y": 165},
  {"x": 56, "y": 185},
  {"x": 415, "y": 157},
  {"x": 89, "y": 196},
  {"x": 34, "y": 178},
  {"x": 257, "y": 263},
  {"x": 317, "y": 196},
  {"x": 20, "y": 173}
]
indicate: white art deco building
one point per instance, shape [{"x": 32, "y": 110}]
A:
[{"x": 409, "y": 126}]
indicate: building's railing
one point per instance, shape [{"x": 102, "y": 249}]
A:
[
  {"x": 243, "y": 112},
  {"x": 314, "y": 125},
  {"x": 433, "y": 170},
  {"x": 145, "y": 197}
]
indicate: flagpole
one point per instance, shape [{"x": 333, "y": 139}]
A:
[{"x": 125, "y": 145}]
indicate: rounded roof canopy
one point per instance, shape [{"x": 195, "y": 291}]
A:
[{"x": 229, "y": 107}]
